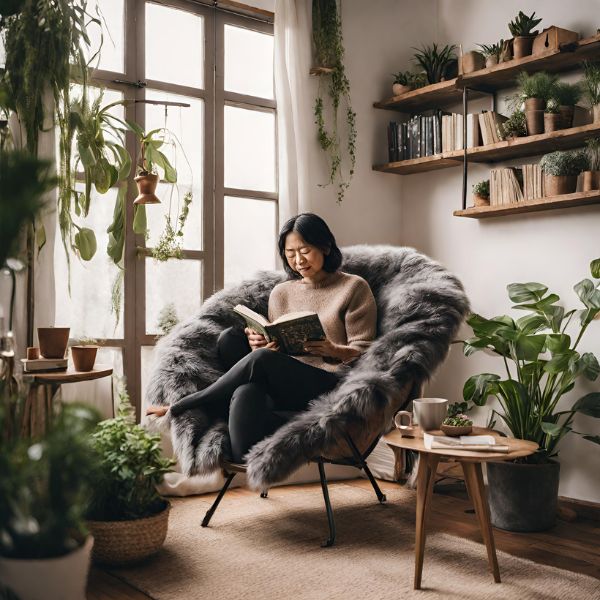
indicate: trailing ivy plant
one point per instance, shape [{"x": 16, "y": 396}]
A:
[{"x": 329, "y": 53}]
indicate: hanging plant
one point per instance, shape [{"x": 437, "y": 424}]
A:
[{"x": 329, "y": 54}]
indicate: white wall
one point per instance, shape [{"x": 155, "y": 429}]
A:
[{"x": 553, "y": 247}]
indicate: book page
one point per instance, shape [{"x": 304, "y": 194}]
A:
[
  {"x": 247, "y": 312},
  {"x": 294, "y": 315}
]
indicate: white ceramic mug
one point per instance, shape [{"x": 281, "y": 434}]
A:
[
  {"x": 429, "y": 413},
  {"x": 406, "y": 428}
]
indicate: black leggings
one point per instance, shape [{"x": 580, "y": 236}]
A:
[{"x": 256, "y": 386}]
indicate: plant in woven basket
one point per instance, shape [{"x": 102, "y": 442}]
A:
[
  {"x": 482, "y": 188},
  {"x": 523, "y": 25},
  {"x": 131, "y": 466},
  {"x": 514, "y": 126},
  {"x": 435, "y": 62},
  {"x": 562, "y": 163}
]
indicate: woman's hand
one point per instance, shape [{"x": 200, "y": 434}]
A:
[
  {"x": 257, "y": 340},
  {"x": 328, "y": 348}
]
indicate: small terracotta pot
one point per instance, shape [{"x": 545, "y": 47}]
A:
[
  {"x": 472, "y": 61},
  {"x": 84, "y": 357},
  {"x": 522, "y": 45},
  {"x": 53, "y": 341},
  {"x": 398, "y": 89},
  {"x": 535, "y": 121},
  {"x": 552, "y": 122},
  {"x": 147, "y": 188},
  {"x": 591, "y": 181},
  {"x": 566, "y": 116},
  {"x": 557, "y": 185},
  {"x": 491, "y": 61},
  {"x": 33, "y": 353},
  {"x": 596, "y": 113},
  {"x": 535, "y": 104},
  {"x": 479, "y": 200}
]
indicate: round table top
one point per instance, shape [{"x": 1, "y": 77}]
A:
[
  {"x": 516, "y": 448},
  {"x": 71, "y": 376}
]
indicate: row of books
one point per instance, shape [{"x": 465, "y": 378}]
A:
[
  {"x": 514, "y": 184},
  {"x": 430, "y": 134}
]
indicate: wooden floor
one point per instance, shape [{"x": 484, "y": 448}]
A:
[{"x": 572, "y": 546}]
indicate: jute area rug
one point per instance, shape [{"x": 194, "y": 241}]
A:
[{"x": 270, "y": 549}]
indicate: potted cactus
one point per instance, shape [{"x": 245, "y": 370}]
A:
[
  {"x": 591, "y": 176},
  {"x": 521, "y": 28},
  {"x": 552, "y": 117},
  {"x": 561, "y": 170},
  {"x": 481, "y": 193}
]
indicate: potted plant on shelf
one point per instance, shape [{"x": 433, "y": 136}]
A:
[
  {"x": 401, "y": 83},
  {"x": 491, "y": 53},
  {"x": 561, "y": 169},
  {"x": 552, "y": 117},
  {"x": 535, "y": 90},
  {"x": 591, "y": 87},
  {"x": 83, "y": 353},
  {"x": 472, "y": 61},
  {"x": 438, "y": 64},
  {"x": 44, "y": 543},
  {"x": 126, "y": 515},
  {"x": 567, "y": 96},
  {"x": 514, "y": 126},
  {"x": 521, "y": 28},
  {"x": 481, "y": 193},
  {"x": 542, "y": 365},
  {"x": 591, "y": 176}
]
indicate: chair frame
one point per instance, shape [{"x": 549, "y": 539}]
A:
[{"x": 357, "y": 460}]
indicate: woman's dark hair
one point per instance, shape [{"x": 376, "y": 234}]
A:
[{"x": 315, "y": 232}]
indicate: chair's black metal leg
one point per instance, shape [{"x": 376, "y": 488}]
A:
[
  {"x": 363, "y": 465},
  {"x": 211, "y": 511},
  {"x": 331, "y": 539}
]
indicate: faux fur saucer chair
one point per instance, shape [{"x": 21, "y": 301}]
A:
[{"x": 420, "y": 308}]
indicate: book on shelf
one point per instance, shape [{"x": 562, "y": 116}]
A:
[
  {"x": 418, "y": 137},
  {"x": 489, "y": 123},
  {"x": 452, "y": 129},
  {"x": 289, "y": 331},
  {"x": 533, "y": 182},
  {"x": 474, "y": 443},
  {"x": 44, "y": 365},
  {"x": 505, "y": 186}
]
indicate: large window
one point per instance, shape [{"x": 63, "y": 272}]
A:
[{"x": 207, "y": 75}]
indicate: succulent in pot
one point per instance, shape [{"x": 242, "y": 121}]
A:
[
  {"x": 567, "y": 95},
  {"x": 552, "y": 117},
  {"x": 561, "y": 169},
  {"x": 591, "y": 176},
  {"x": 514, "y": 126},
  {"x": 591, "y": 87},
  {"x": 491, "y": 53},
  {"x": 521, "y": 28},
  {"x": 481, "y": 193}
]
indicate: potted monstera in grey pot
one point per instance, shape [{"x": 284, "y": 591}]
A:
[{"x": 542, "y": 363}]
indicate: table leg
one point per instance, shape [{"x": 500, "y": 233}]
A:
[
  {"x": 427, "y": 467},
  {"x": 476, "y": 489}
]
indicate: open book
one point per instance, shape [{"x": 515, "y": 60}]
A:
[
  {"x": 289, "y": 331},
  {"x": 477, "y": 443}
]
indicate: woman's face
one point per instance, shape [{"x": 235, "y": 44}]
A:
[{"x": 305, "y": 259}]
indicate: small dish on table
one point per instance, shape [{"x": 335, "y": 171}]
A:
[{"x": 456, "y": 430}]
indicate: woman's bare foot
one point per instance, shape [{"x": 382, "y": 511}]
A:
[{"x": 159, "y": 411}]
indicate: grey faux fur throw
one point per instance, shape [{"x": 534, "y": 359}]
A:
[{"x": 420, "y": 308}]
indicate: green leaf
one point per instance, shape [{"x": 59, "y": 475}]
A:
[
  {"x": 85, "y": 243},
  {"x": 478, "y": 387},
  {"x": 558, "y": 363},
  {"x": 541, "y": 305},
  {"x": 483, "y": 327},
  {"x": 592, "y": 438},
  {"x": 116, "y": 230},
  {"x": 140, "y": 224},
  {"x": 531, "y": 323},
  {"x": 595, "y": 268},
  {"x": 584, "y": 289},
  {"x": 589, "y": 366},
  {"x": 526, "y": 292},
  {"x": 528, "y": 347},
  {"x": 170, "y": 171},
  {"x": 552, "y": 429},
  {"x": 557, "y": 343},
  {"x": 139, "y": 132},
  {"x": 40, "y": 236},
  {"x": 589, "y": 405}
]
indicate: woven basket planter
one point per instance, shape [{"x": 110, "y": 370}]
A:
[{"x": 127, "y": 542}]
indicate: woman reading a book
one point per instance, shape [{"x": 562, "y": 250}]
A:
[{"x": 261, "y": 381}]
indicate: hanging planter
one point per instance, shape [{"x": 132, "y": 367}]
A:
[{"x": 147, "y": 189}]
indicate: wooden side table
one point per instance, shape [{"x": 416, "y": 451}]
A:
[
  {"x": 471, "y": 465},
  {"x": 37, "y": 411}
]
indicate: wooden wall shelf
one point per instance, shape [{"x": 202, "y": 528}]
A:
[
  {"x": 552, "y": 202},
  {"x": 506, "y": 150}
]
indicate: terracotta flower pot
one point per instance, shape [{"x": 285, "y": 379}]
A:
[
  {"x": 472, "y": 61},
  {"x": 535, "y": 121},
  {"x": 552, "y": 122},
  {"x": 53, "y": 341},
  {"x": 84, "y": 357},
  {"x": 522, "y": 45},
  {"x": 491, "y": 61},
  {"x": 398, "y": 89},
  {"x": 591, "y": 181},
  {"x": 596, "y": 113},
  {"x": 147, "y": 188},
  {"x": 535, "y": 104},
  {"x": 557, "y": 185},
  {"x": 479, "y": 200},
  {"x": 566, "y": 116}
]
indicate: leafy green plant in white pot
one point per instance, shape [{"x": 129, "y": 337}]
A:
[
  {"x": 44, "y": 488},
  {"x": 561, "y": 169},
  {"x": 542, "y": 364}
]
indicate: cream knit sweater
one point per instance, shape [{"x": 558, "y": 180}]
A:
[{"x": 344, "y": 303}]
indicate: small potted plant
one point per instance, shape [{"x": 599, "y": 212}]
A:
[
  {"x": 401, "y": 83},
  {"x": 561, "y": 169},
  {"x": 591, "y": 87},
  {"x": 45, "y": 484},
  {"x": 591, "y": 176},
  {"x": 552, "y": 118},
  {"x": 481, "y": 193},
  {"x": 491, "y": 53},
  {"x": 472, "y": 61},
  {"x": 456, "y": 425},
  {"x": 437, "y": 63},
  {"x": 567, "y": 95},
  {"x": 84, "y": 353},
  {"x": 521, "y": 28},
  {"x": 535, "y": 90},
  {"x": 126, "y": 515},
  {"x": 514, "y": 126}
]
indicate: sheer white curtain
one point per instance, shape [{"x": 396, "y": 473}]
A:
[{"x": 294, "y": 114}]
